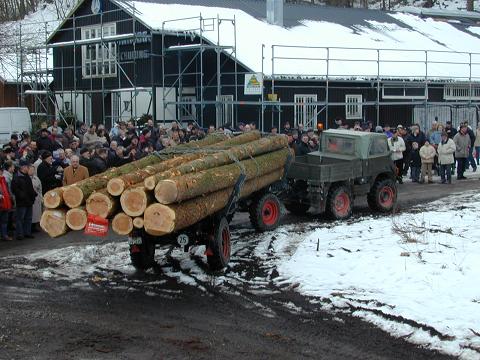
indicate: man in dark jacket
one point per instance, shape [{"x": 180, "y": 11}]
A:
[
  {"x": 47, "y": 173},
  {"x": 44, "y": 142},
  {"x": 302, "y": 148},
  {"x": 99, "y": 161},
  {"x": 470, "y": 160},
  {"x": 25, "y": 195}
]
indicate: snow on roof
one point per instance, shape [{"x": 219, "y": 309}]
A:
[{"x": 405, "y": 36}]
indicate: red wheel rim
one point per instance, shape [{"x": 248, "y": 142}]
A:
[
  {"x": 342, "y": 204},
  {"x": 226, "y": 243},
  {"x": 270, "y": 212},
  {"x": 386, "y": 196}
]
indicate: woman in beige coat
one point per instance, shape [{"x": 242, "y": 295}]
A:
[
  {"x": 446, "y": 149},
  {"x": 427, "y": 154}
]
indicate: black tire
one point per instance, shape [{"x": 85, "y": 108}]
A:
[
  {"x": 297, "y": 208},
  {"x": 339, "y": 202},
  {"x": 142, "y": 255},
  {"x": 265, "y": 212},
  {"x": 219, "y": 246},
  {"x": 382, "y": 196}
]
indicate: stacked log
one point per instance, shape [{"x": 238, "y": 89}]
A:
[{"x": 171, "y": 190}]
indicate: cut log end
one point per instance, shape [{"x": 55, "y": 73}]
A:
[
  {"x": 166, "y": 192},
  {"x": 122, "y": 224},
  {"x": 53, "y": 198},
  {"x": 76, "y": 219},
  {"x": 159, "y": 220},
  {"x": 73, "y": 196},
  {"x": 100, "y": 204},
  {"x": 53, "y": 222},
  {"x": 138, "y": 222},
  {"x": 150, "y": 183},
  {"x": 116, "y": 186},
  {"x": 134, "y": 201}
]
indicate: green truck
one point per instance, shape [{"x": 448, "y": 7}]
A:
[{"x": 349, "y": 164}]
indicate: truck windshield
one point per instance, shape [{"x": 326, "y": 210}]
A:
[{"x": 340, "y": 145}]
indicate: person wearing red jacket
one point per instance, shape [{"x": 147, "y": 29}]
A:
[{"x": 5, "y": 206}]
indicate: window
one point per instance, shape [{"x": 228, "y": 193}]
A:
[
  {"x": 98, "y": 60},
  {"x": 305, "y": 112},
  {"x": 378, "y": 146},
  {"x": 224, "y": 110},
  {"x": 353, "y": 107},
  {"x": 340, "y": 145},
  {"x": 115, "y": 107},
  {"x": 404, "y": 91},
  {"x": 461, "y": 92}
]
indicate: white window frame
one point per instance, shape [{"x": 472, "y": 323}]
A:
[
  {"x": 404, "y": 96},
  {"x": 187, "y": 112},
  {"x": 99, "y": 66},
  {"x": 461, "y": 91},
  {"x": 116, "y": 98},
  {"x": 224, "y": 111},
  {"x": 305, "y": 113},
  {"x": 353, "y": 106}
]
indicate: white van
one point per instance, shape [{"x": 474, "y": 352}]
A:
[{"x": 13, "y": 120}]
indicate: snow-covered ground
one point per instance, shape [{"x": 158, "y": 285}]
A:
[{"x": 415, "y": 274}]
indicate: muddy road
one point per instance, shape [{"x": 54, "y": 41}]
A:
[{"x": 78, "y": 301}]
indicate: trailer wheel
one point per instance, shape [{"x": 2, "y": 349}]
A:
[
  {"x": 265, "y": 212},
  {"x": 297, "y": 208},
  {"x": 219, "y": 246},
  {"x": 339, "y": 202},
  {"x": 142, "y": 255},
  {"x": 382, "y": 196}
]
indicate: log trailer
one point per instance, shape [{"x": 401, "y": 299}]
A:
[{"x": 350, "y": 164}]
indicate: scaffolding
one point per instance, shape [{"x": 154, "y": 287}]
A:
[{"x": 220, "y": 87}]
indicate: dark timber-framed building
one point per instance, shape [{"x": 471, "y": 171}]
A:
[{"x": 217, "y": 62}]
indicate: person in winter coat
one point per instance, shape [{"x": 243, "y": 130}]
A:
[
  {"x": 415, "y": 163},
  {"x": 22, "y": 188},
  {"x": 48, "y": 175},
  {"x": 462, "y": 147},
  {"x": 302, "y": 148},
  {"x": 6, "y": 204},
  {"x": 470, "y": 159},
  {"x": 44, "y": 142},
  {"x": 99, "y": 161},
  {"x": 75, "y": 172},
  {"x": 397, "y": 147},
  {"x": 427, "y": 154},
  {"x": 477, "y": 145},
  {"x": 37, "y": 205},
  {"x": 445, "y": 150}
]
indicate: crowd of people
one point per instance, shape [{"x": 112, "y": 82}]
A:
[{"x": 32, "y": 164}]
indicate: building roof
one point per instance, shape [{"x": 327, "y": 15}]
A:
[{"x": 353, "y": 37}]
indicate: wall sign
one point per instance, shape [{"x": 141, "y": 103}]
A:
[{"x": 253, "y": 84}]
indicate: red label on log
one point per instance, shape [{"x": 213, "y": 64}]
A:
[{"x": 96, "y": 226}]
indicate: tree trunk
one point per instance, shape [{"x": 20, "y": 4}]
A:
[
  {"x": 192, "y": 185},
  {"x": 242, "y": 139},
  {"x": 76, "y": 194},
  {"x": 162, "y": 219},
  {"x": 118, "y": 185},
  {"x": 122, "y": 224},
  {"x": 226, "y": 157},
  {"x": 53, "y": 222},
  {"x": 102, "y": 204},
  {"x": 138, "y": 222},
  {"x": 76, "y": 218},
  {"x": 53, "y": 198},
  {"x": 135, "y": 200}
]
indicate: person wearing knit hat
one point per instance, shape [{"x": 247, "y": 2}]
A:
[{"x": 47, "y": 173}]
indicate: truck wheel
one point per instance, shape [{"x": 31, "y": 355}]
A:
[
  {"x": 382, "y": 196},
  {"x": 339, "y": 203},
  {"x": 142, "y": 255},
  {"x": 219, "y": 246},
  {"x": 265, "y": 212},
  {"x": 297, "y": 208}
]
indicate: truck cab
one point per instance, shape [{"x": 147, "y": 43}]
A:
[{"x": 349, "y": 164}]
